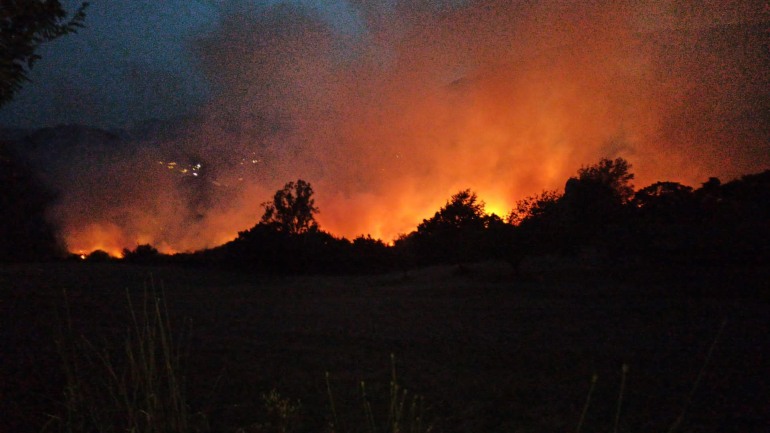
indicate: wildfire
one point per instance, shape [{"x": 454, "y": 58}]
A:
[
  {"x": 93, "y": 237},
  {"x": 497, "y": 208},
  {"x": 505, "y": 101}
]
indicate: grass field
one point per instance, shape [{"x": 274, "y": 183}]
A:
[{"x": 488, "y": 351}]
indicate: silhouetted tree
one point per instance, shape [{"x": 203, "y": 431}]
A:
[
  {"x": 711, "y": 186},
  {"x": 661, "y": 224},
  {"x": 292, "y": 209},
  {"x": 98, "y": 256},
  {"x": 264, "y": 249},
  {"x": 145, "y": 253},
  {"x": 614, "y": 175},
  {"x": 669, "y": 201},
  {"x": 463, "y": 211},
  {"x": 288, "y": 240},
  {"x": 24, "y": 25},
  {"x": 736, "y": 218},
  {"x": 538, "y": 222},
  {"x": 499, "y": 240},
  {"x": 751, "y": 193},
  {"x": 661, "y": 194},
  {"x": 260, "y": 248},
  {"x": 370, "y": 255},
  {"x": 534, "y": 207},
  {"x": 594, "y": 199},
  {"x": 454, "y": 233}
]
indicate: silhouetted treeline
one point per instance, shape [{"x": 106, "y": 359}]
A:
[
  {"x": 264, "y": 249},
  {"x": 287, "y": 240},
  {"x": 665, "y": 222},
  {"x": 460, "y": 232},
  {"x": 716, "y": 223},
  {"x": 599, "y": 219}
]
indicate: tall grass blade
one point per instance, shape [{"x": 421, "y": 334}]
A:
[
  {"x": 688, "y": 401},
  {"x": 624, "y": 373},
  {"x": 138, "y": 388},
  {"x": 336, "y": 426},
  {"x": 587, "y": 404},
  {"x": 367, "y": 405}
]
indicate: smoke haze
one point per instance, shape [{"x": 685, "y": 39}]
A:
[{"x": 428, "y": 98}]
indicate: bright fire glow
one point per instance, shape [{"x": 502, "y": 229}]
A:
[
  {"x": 108, "y": 238},
  {"x": 389, "y": 123}
]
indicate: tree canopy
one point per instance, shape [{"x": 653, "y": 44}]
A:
[
  {"x": 533, "y": 207},
  {"x": 662, "y": 195},
  {"x": 463, "y": 210},
  {"x": 459, "y": 232},
  {"x": 292, "y": 209},
  {"x": 24, "y": 25},
  {"x": 613, "y": 174}
]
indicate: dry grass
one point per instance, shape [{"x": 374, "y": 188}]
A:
[
  {"x": 137, "y": 385},
  {"x": 405, "y": 411},
  {"x": 491, "y": 353}
]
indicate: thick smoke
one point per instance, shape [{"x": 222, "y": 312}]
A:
[{"x": 427, "y": 98}]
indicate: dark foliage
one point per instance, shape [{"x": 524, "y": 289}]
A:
[
  {"x": 265, "y": 249},
  {"x": 665, "y": 223},
  {"x": 367, "y": 254},
  {"x": 288, "y": 240},
  {"x": 595, "y": 222},
  {"x": 593, "y": 204},
  {"x": 534, "y": 207},
  {"x": 597, "y": 215},
  {"x": 145, "y": 253},
  {"x": 99, "y": 256},
  {"x": 25, "y": 233},
  {"x": 715, "y": 224},
  {"x": 596, "y": 198},
  {"x": 614, "y": 176},
  {"x": 24, "y": 25},
  {"x": 292, "y": 210},
  {"x": 460, "y": 232},
  {"x": 665, "y": 201}
]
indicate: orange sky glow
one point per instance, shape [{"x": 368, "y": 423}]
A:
[{"x": 386, "y": 125}]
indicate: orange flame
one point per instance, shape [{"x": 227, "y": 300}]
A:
[{"x": 507, "y": 101}]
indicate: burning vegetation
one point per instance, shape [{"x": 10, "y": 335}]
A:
[
  {"x": 599, "y": 220},
  {"x": 414, "y": 105}
]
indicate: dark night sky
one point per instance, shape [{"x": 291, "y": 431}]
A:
[{"x": 132, "y": 62}]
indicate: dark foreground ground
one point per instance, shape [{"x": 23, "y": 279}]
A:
[{"x": 490, "y": 352}]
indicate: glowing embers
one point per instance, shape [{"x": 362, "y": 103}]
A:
[
  {"x": 96, "y": 237},
  {"x": 495, "y": 208},
  {"x": 185, "y": 170}
]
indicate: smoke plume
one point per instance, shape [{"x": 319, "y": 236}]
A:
[{"x": 424, "y": 99}]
